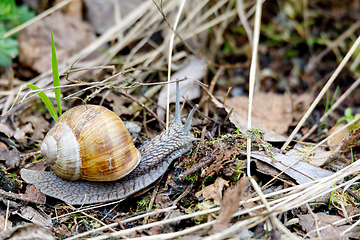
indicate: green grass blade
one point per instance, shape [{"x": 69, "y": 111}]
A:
[
  {"x": 46, "y": 101},
  {"x": 55, "y": 70}
]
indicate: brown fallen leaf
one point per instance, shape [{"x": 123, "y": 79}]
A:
[
  {"x": 35, "y": 194},
  {"x": 31, "y": 195},
  {"x": 40, "y": 126},
  {"x": 267, "y": 169},
  {"x": 301, "y": 104},
  {"x": 352, "y": 139},
  {"x": 71, "y": 34},
  {"x": 11, "y": 157},
  {"x": 241, "y": 123},
  {"x": 230, "y": 204},
  {"x": 218, "y": 164},
  {"x": 7, "y": 130},
  {"x": 2, "y": 223},
  {"x": 269, "y": 110},
  {"x": 62, "y": 231},
  {"x": 35, "y": 216},
  {"x": 3, "y": 145},
  {"x": 300, "y": 171},
  {"x": 213, "y": 191},
  {"x": 117, "y": 102},
  {"x": 317, "y": 158},
  {"x": 335, "y": 140},
  {"x": 332, "y": 231},
  {"x": 20, "y": 133},
  {"x": 27, "y": 231},
  {"x": 350, "y": 211}
]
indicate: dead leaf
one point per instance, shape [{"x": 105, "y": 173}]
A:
[
  {"x": 241, "y": 123},
  {"x": 213, "y": 191},
  {"x": 34, "y": 194},
  {"x": 301, "y": 104},
  {"x": 7, "y": 130},
  {"x": 27, "y": 231},
  {"x": 40, "y": 126},
  {"x": 335, "y": 140},
  {"x": 350, "y": 210},
  {"x": 20, "y": 133},
  {"x": 11, "y": 157},
  {"x": 230, "y": 204},
  {"x": 269, "y": 110},
  {"x": 3, "y": 145},
  {"x": 162, "y": 199},
  {"x": 317, "y": 158},
  {"x": 332, "y": 231},
  {"x": 35, "y": 216},
  {"x": 71, "y": 34},
  {"x": 38, "y": 166},
  {"x": 31, "y": 195},
  {"x": 267, "y": 169},
  {"x": 12, "y": 204},
  {"x": 222, "y": 155},
  {"x": 189, "y": 89},
  {"x": 117, "y": 102},
  {"x": 352, "y": 139},
  {"x": 302, "y": 172},
  {"x": 2, "y": 223},
  {"x": 62, "y": 231}
]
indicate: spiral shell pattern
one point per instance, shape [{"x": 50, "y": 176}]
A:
[{"x": 91, "y": 143}]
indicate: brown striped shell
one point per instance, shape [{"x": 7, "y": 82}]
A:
[{"x": 92, "y": 143}]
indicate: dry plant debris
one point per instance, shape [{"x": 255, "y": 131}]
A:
[
  {"x": 117, "y": 55},
  {"x": 325, "y": 226},
  {"x": 271, "y": 111},
  {"x": 230, "y": 204},
  {"x": 71, "y": 36}
]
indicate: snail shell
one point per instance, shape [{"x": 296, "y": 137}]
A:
[{"x": 92, "y": 143}]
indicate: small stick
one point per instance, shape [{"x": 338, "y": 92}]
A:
[
  {"x": 144, "y": 106},
  {"x": 195, "y": 168}
]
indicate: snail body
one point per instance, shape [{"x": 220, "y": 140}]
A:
[{"x": 120, "y": 171}]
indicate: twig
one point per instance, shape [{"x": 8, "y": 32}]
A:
[
  {"x": 144, "y": 106},
  {"x": 103, "y": 228},
  {"x": 152, "y": 200},
  {"x": 22, "y": 197},
  {"x": 196, "y": 168},
  {"x": 7, "y": 214}
]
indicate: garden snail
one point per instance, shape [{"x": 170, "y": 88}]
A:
[{"x": 127, "y": 171}]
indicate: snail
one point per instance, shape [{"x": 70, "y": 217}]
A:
[{"x": 111, "y": 168}]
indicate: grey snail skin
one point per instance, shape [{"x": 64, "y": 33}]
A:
[{"x": 93, "y": 159}]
